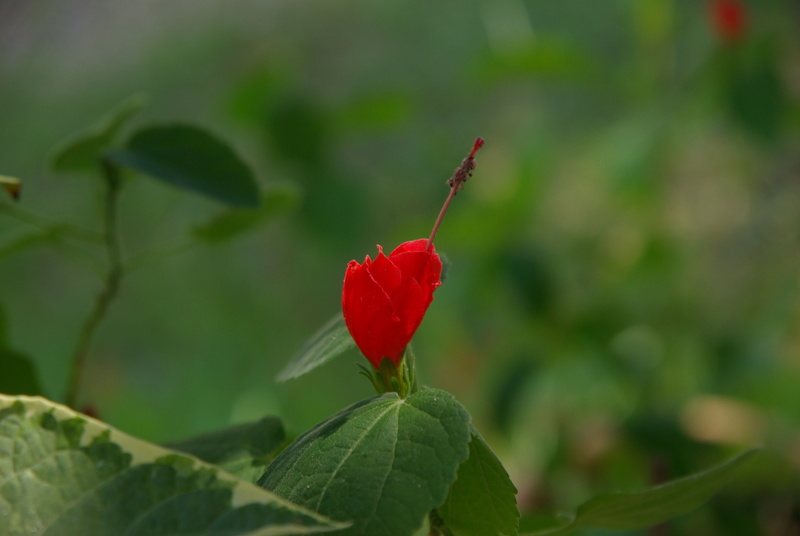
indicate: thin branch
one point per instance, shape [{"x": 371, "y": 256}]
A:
[
  {"x": 50, "y": 227},
  {"x": 111, "y": 285}
]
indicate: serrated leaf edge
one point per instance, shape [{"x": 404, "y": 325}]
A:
[{"x": 243, "y": 492}]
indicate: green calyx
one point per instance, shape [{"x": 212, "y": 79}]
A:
[{"x": 394, "y": 378}]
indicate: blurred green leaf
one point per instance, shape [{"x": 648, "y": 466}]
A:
[
  {"x": 376, "y": 111},
  {"x": 18, "y": 371},
  {"x": 507, "y": 396},
  {"x": 243, "y": 450},
  {"x": 546, "y": 57},
  {"x": 234, "y": 222},
  {"x": 190, "y": 158},
  {"x": 756, "y": 97},
  {"x": 646, "y": 508},
  {"x": 330, "y": 341},
  {"x": 85, "y": 150},
  {"x": 64, "y": 474},
  {"x": 11, "y": 185},
  {"x": 298, "y": 130},
  {"x": 384, "y": 463},
  {"x": 529, "y": 274},
  {"x": 25, "y": 241},
  {"x": 19, "y": 374},
  {"x": 447, "y": 265},
  {"x": 481, "y": 501},
  {"x": 252, "y": 96}
]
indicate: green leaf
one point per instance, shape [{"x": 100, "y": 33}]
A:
[
  {"x": 19, "y": 374},
  {"x": 298, "y": 130},
  {"x": 547, "y": 58},
  {"x": 11, "y": 185},
  {"x": 383, "y": 463},
  {"x": 26, "y": 241},
  {"x": 84, "y": 150},
  {"x": 755, "y": 92},
  {"x": 63, "y": 474},
  {"x": 376, "y": 111},
  {"x": 655, "y": 505},
  {"x": 330, "y": 341},
  {"x": 243, "y": 450},
  {"x": 482, "y": 500},
  {"x": 191, "y": 158},
  {"x": 234, "y": 222}
]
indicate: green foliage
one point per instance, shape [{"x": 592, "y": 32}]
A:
[
  {"x": 646, "y": 508},
  {"x": 18, "y": 371},
  {"x": 383, "y": 463},
  {"x": 190, "y": 158},
  {"x": 625, "y": 251},
  {"x": 227, "y": 225},
  {"x": 481, "y": 502},
  {"x": 63, "y": 474},
  {"x": 243, "y": 450},
  {"x": 84, "y": 151},
  {"x": 19, "y": 374},
  {"x": 331, "y": 340},
  {"x": 297, "y": 128},
  {"x": 753, "y": 90}
]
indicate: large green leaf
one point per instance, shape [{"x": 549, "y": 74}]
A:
[
  {"x": 482, "y": 500},
  {"x": 330, "y": 341},
  {"x": 85, "y": 149},
  {"x": 191, "y": 158},
  {"x": 655, "y": 505},
  {"x": 383, "y": 463},
  {"x": 243, "y": 450},
  {"x": 63, "y": 474}
]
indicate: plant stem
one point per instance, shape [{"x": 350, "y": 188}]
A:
[
  {"x": 456, "y": 181},
  {"x": 46, "y": 226},
  {"x": 110, "y": 288}
]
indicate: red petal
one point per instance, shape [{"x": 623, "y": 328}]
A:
[
  {"x": 366, "y": 307},
  {"x": 384, "y": 300},
  {"x": 384, "y": 271},
  {"x": 424, "y": 267},
  {"x": 412, "y": 245}
]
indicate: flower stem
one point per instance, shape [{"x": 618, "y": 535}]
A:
[
  {"x": 110, "y": 288},
  {"x": 456, "y": 182}
]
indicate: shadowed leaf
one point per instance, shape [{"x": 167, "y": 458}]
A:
[
  {"x": 190, "y": 158},
  {"x": 62, "y": 473},
  {"x": 235, "y": 222},
  {"x": 243, "y": 450},
  {"x": 655, "y": 505},
  {"x": 481, "y": 501},
  {"x": 85, "y": 149}
]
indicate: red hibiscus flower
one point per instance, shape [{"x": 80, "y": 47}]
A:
[
  {"x": 384, "y": 300},
  {"x": 729, "y": 19}
]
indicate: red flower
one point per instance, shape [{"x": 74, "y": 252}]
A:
[
  {"x": 384, "y": 300},
  {"x": 729, "y": 19}
]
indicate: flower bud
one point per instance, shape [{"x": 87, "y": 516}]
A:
[{"x": 384, "y": 300}]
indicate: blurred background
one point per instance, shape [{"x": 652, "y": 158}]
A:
[{"x": 623, "y": 305}]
